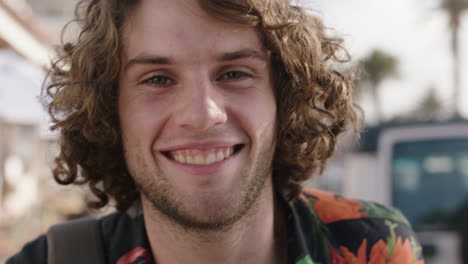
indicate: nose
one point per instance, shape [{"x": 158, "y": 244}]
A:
[{"x": 201, "y": 107}]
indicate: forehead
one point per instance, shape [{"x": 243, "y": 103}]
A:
[{"x": 180, "y": 28}]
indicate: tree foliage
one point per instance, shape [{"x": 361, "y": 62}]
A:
[
  {"x": 454, "y": 10},
  {"x": 375, "y": 68}
]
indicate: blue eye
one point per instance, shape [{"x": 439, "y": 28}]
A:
[
  {"x": 233, "y": 75},
  {"x": 159, "y": 80}
]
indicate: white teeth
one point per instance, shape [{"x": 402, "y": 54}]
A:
[
  {"x": 228, "y": 152},
  {"x": 211, "y": 158},
  {"x": 189, "y": 159},
  {"x": 202, "y": 157},
  {"x": 180, "y": 158},
  {"x": 219, "y": 155},
  {"x": 199, "y": 160}
]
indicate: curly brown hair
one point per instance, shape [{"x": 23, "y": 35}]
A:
[{"x": 313, "y": 99}]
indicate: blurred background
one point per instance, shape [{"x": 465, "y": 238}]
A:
[{"x": 411, "y": 81}]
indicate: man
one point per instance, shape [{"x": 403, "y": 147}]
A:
[{"x": 208, "y": 115}]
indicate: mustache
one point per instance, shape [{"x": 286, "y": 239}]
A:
[{"x": 214, "y": 135}]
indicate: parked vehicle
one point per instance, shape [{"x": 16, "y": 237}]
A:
[{"x": 421, "y": 169}]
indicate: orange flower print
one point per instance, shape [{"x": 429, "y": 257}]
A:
[
  {"x": 331, "y": 208},
  {"x": 137, "y": 255},
  {"x": 336, "y": 258},
  {"x": 378, "y": 253},
  {"x": 360, "y": 258},
  {"x": 403, "y": 253}
]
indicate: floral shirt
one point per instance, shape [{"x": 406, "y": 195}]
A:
[
  {"x": 322, "y": 228},
  {"x": 357, "y": 232}
]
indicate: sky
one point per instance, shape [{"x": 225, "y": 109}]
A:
[
  {"x": 415, "y": 32},
  {"x": 20, "y": 89}
]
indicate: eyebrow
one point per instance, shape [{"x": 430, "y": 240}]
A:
[
  {"x": 228, "y": 56},
  {"x": 242, "y": 54}
]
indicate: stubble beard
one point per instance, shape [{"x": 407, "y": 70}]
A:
[{"x": 219, "y": 213}]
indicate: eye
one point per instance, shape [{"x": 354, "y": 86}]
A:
[
  {"x": 233, "y": 75},
  {"x": 158, "y": 80}
]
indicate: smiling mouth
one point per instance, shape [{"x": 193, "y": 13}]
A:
[{"x": 202, "y": 156}]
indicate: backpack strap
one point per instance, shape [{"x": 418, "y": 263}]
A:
[{"x": 75, "y": 242}]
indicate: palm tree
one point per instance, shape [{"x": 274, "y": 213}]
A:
[
  {"x": 454, "y": 10},
  {"x": 377, "y": 67},
  {"x": 430, "y": 108}
]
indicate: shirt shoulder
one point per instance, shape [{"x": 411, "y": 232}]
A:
[
  {"x": 123, "y": 237},
  {"x": 364, "y": 231},
  {"x": 34, "y": 252},
  {"x": 331, "y": 208}
]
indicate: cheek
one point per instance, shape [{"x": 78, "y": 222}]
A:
[
  {"x": 257, "y": 114},
  {"x": 141, "y": 120},
  {"x": 264, "y": 107},
  {"x": 267, "y": 125},
  {"x": 267, "y": 115}
]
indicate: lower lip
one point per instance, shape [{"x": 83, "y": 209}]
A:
[{"x": 204, "y": 169}]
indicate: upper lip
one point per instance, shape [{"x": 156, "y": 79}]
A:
[{"x": 200, "y": 145}]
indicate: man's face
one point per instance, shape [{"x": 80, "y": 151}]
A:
[{"x": 197, "y": 113}]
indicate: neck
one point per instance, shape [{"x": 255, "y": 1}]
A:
[{"x": 256, "y": 238}]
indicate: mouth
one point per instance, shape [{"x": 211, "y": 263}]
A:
[{"x": 202, "y": 156}]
